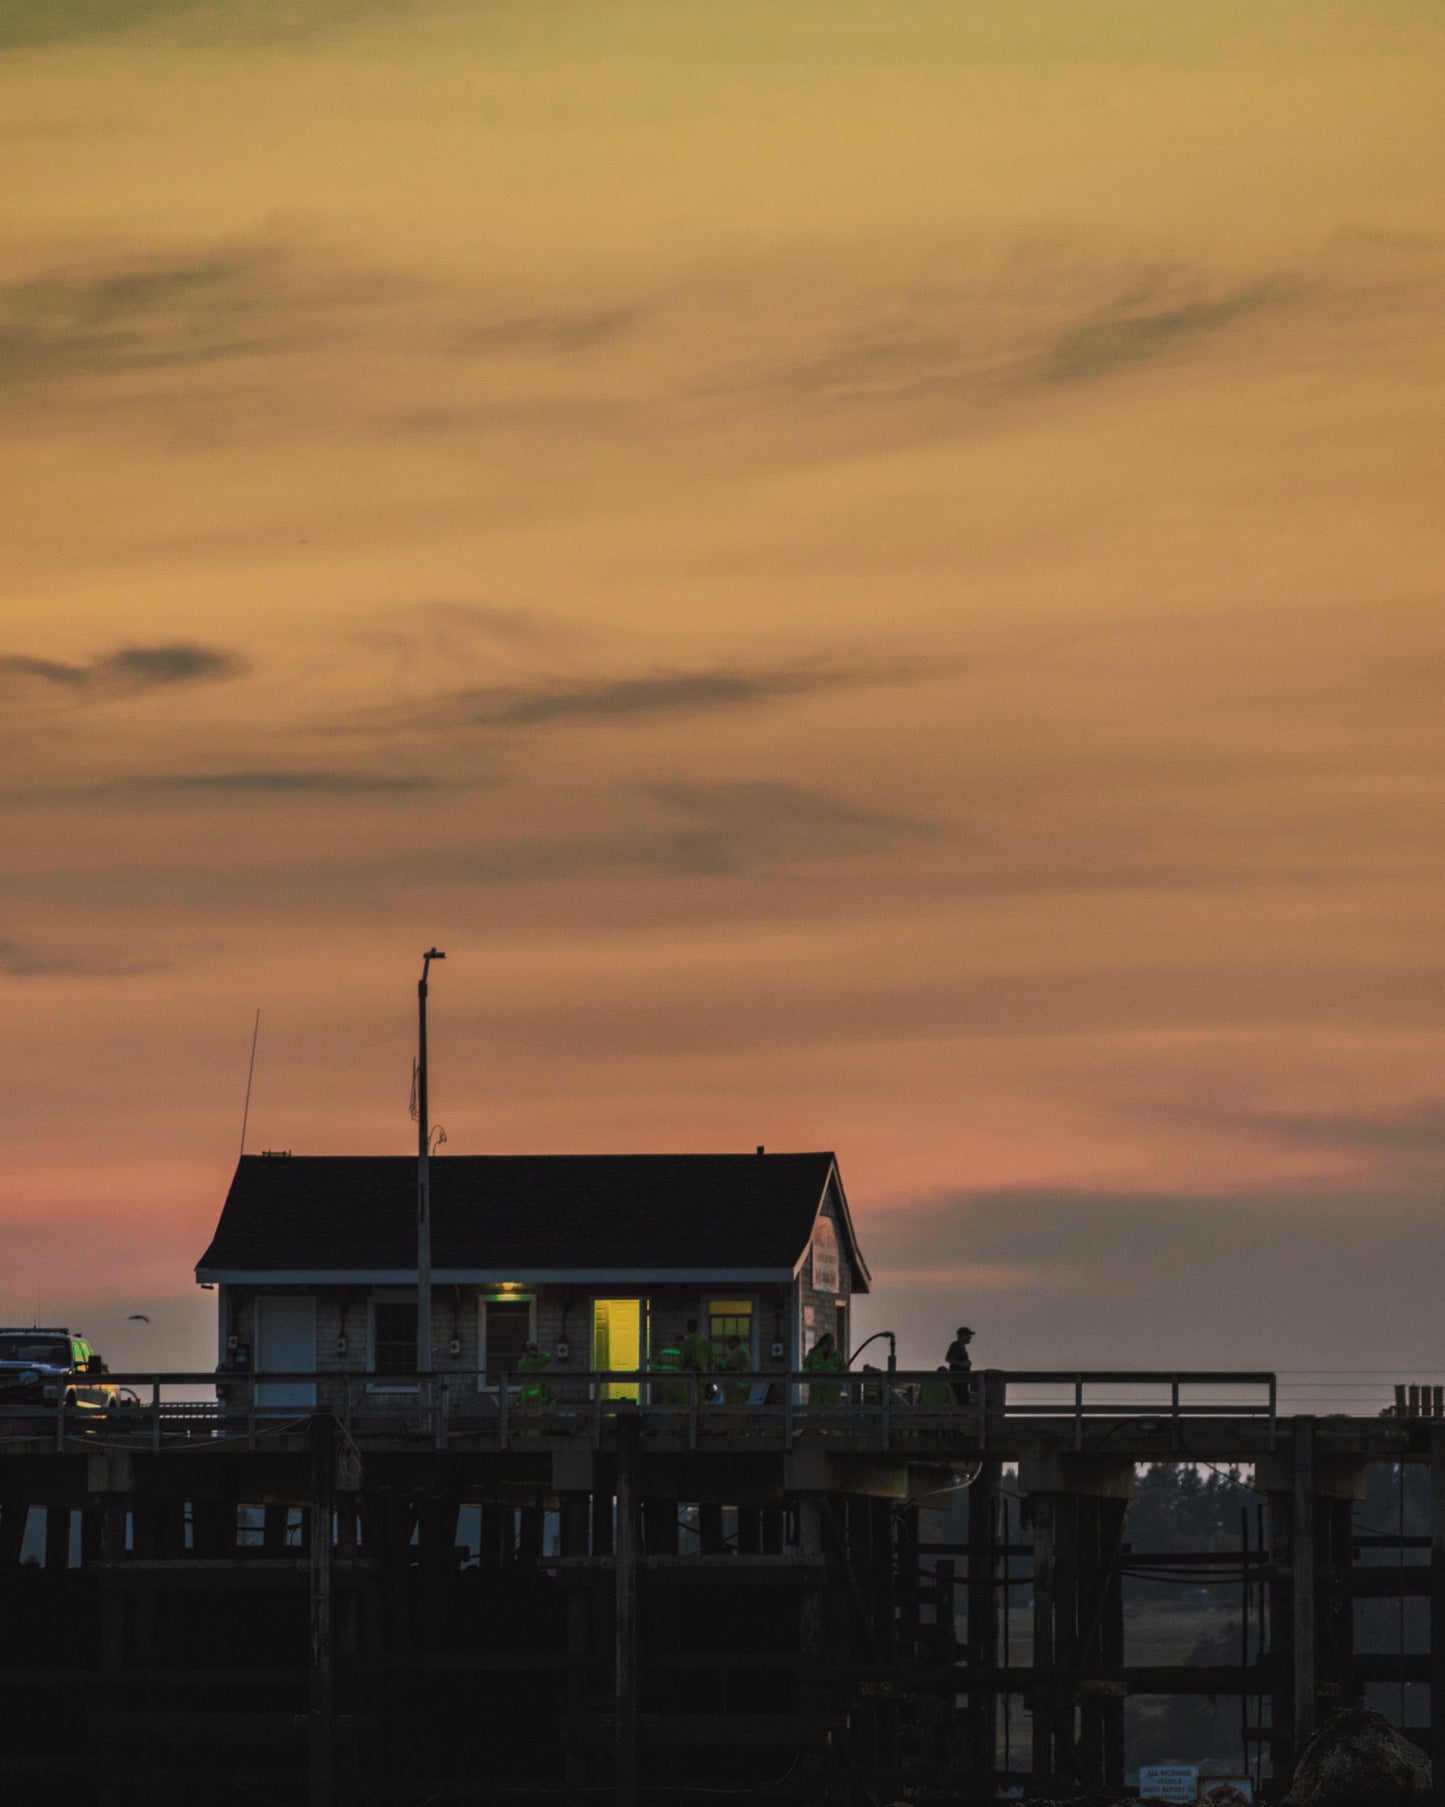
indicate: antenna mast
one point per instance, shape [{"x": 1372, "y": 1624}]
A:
[
  {"x": 423, "y": 1179},
  {"x": 250, "y": 1075}
]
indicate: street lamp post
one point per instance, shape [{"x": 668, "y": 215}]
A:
[{"x": 423, "y": 1179}]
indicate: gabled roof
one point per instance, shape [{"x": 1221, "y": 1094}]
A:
[{"x": 526, "y": 1217}]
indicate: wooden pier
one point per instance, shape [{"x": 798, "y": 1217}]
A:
[{"x": 269, "y": 1602}]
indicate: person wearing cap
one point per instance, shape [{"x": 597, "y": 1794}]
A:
[
  {"x": 534, "y": 1392},
  {"x": 960, "y": 1364}
]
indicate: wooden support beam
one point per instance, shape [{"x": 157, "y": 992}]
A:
[
  {"x": 91, "y": 1520},
  {"x": 710, "y": 1527},
  {"x": 1302, "y": 1590},
  {"x": 1093, "y": 1580},
  {"x": 660, "y": 1527},
  {"x": 574, "y": 1535},
  {"x": 1281, "y": 1633},
  {"x": 906, "y": 1548},
  {"x": 213, "y": 1527},
  {"x": 14, "y": 1512},
  {"x": 628, "y": 1602},
  {"x": 274, "y": 1523},
  {"x": 57, "y": 1537},
  {"x": 821, "y": 1636},
  {"x": 1437, "y": 1597},
  {"x": 981, "y": 1610},
  {"x": 322, "y": 1725},
  {"x": 721, "y": 1731},
  {"x": 1045, "y": 1517},
  {"x": 1335, "y": 1644},
  {"x": 574, "y": 1523},
  {"x": 888, "y": 1769},
  {"x": 1066, "y": 1634},
  {"x": 1112, "y": 1514}
]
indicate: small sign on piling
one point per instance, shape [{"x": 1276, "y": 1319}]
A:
[{"x": 1173, "y": 1782}]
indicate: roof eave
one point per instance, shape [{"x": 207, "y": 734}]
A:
[{"x": 467, "y": 1276}]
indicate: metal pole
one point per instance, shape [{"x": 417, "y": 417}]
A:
[{"x": 423, "y": 1179}]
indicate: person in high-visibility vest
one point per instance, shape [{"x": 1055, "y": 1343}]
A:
[
  {"x": 530, "y": 1362},
  {"x": 937, "y": 1392},
  {"x": 696, "y": 1351},
  {"x": 696, "y": 1357},
  {"x": 736, "y": 1360},
  {"x": 669, "y": 1361},
  {"x": 825, "y": 1358}
]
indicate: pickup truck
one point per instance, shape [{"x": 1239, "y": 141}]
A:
[{"x": 39, "y": 1367}]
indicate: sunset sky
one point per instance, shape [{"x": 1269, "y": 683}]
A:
[{"x": 870, "y": 572}]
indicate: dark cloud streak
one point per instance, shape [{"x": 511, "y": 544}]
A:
[
  {"x": 1127, "y": 336},
  {"x": 1310, "y": 1274},
  {"x": 644, "y": 697},
  {"x": 582, "y": 330},
  {"x": 274, "y": 786},
  {"x": 127, "y": 669},
  {"x": 20, "y": 960}
]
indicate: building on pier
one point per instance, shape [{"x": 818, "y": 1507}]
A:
[{"x": 601, "y": 1259}]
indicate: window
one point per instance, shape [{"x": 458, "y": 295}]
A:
[
  {"x": 506, "y": 1330},
  {"x": 17, "y": 1347},
  {"x": 729, "y": 1317},
  {"x": 393, "y": 1342}
]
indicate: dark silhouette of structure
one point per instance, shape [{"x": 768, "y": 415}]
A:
[{"x": 270, "y": 1601}]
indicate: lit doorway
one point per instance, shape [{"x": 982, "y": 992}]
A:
[{"x": 619, "y": 1342}]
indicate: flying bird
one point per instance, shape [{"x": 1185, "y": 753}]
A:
[{"x": 137, "y": 1317}]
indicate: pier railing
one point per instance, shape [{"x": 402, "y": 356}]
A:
[{"x": 903, "y": 1410}]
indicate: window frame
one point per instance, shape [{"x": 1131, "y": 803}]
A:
[
  {"x": 384, "y": 1383},
  {"x": 754, "y": 1314}
]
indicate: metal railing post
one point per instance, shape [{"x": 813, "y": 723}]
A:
[
  {"x": 503, "y": 1440},
  {"x": 59, "y": 1418},
  {"x": 155, "y": 1411},
  {"x": 1078, "y": 1411},
  {"x": 981, "y": 1395},
  {"x": 692, "y": 1391}
]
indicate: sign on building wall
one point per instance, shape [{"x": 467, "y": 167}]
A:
[
  {"x": 1168, "y": 1781},
  {"x": 1225, "y": 1791},
  {"x": 825, "y": 1257}
]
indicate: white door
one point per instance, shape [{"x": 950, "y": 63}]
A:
[{"x": 285, "y": 1344}]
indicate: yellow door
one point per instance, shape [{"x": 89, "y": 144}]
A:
[{"x": 619, "y": 1342}]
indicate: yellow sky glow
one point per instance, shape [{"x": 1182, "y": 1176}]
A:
[{"x": 870, "y": 573}]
